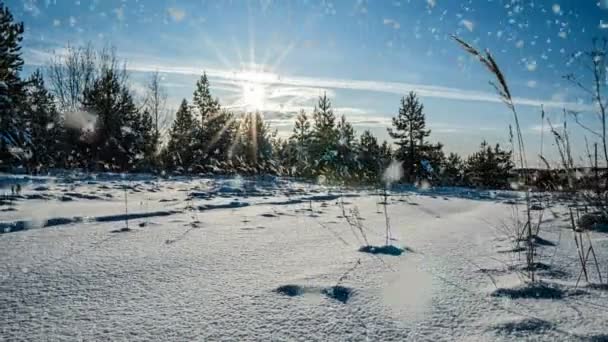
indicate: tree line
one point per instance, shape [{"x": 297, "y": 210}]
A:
[{"x": 80, "y": 113}]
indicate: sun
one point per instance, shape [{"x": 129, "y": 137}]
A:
[{"x": 253, "y": 96}]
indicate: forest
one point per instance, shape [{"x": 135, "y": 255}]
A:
[{"x": 79, "y": 112}]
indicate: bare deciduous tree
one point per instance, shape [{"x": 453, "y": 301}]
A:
[
  {"x": 73, "y": 72},
  {"x": 70, "y": 74},
  {"x": 155, "y": 102},
  {"x": 594, "y": 62}
]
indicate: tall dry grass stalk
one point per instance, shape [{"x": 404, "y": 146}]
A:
[
  {"x": 503, "y": 91},
  {"x": 584, "y": 252}
]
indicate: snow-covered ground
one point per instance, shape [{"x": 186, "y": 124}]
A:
[{"x": 270, "y": 259}]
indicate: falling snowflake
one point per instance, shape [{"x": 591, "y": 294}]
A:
[{"x": 468, "y": 24}]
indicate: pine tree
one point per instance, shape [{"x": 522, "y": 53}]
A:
[
  {"x": 489, "y": 167},
  {"x": 13, "y": 139},
  {"x": 117, "y": 140},
  {"x": 452, "y": 171},
  {"x": 282, "y": 153},
  {"x": 431, "y": 160},
  {"x": 410, "y": 132},
  {"x": 179, "y": 152},
  {"x": 43, "y": 124},
  {"x": 254, "y": 144},
  {"x": 345, "y": 162},
  {"x": 216, "y": 127},
  {"x": 370, "y": 158},
  {"x": 146, "y": 141},
  {"x": 205, "y": 104},
  {"x": 324, "y": 143},
  {"x": 300, "y": 141},
  {"x": 386, "y": 154}
]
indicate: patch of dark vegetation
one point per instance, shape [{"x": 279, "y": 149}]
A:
[
  {"x": 66, "y": 198},
  {"x": 17, "y": 226},
  {"x": 231, "y": 205},
  {"x": 36, "y": 197},
  {"x": 538, "y": 241},
  {"x": 385, "y": 250},
  {"x": 594, "y": 221},
  {"x": 601, "y": 287},
  {"x": 513, "y": 250},
  {"x": 290, "y": 290},
  {"x": 287, "y": 202},
  {"x": 268, "y": 215},
  {"x": 543, "y": 242},
  {"x": 58, "y": 221},
  {"x": 544, "y": 269},
  {"x": 597, "y": 338},
  {"x": 538, "y": 266},
  {"x": 83, "y": 196},
  {"x": 526, "y": 325},
  {"x": 5, "y": 202},
  {"x": 491, "y": 271},
  {"x": 534, "y": 291},
  {"x": 123, "y": 217},
  {"x": 122, "y": 230},
  {"x": 339, "y": 293},
  {"x": 536, "y": 207},
  {"x": 11, "y": 227}
]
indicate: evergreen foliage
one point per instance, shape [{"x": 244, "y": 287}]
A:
[
  {"x": 409, "y": 131},
  {"x": 324, "y": 140},
  {"x": 118, "y": 139},
  {"x": 89, "y": 119},
  {"x": 13, "y": 139},
  {"x": 215, "y": 128},
  {"x": 179, "y": 153},
  {"x": 44, "y": 125},
  {"x": 254, "y": 144},
  {"x": 489, "y": 167}
]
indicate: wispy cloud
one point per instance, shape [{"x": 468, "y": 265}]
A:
[
  {"x": 423, "y": 90},
  {"x": 316, "y": 85}
]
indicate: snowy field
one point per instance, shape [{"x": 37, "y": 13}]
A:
[{"x": 269, "y": 259}]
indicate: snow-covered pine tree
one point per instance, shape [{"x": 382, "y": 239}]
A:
[
  {"x": 300, "y": 141},
  {"x": 369, "y": 158},
  {"x": 489, "y": 167},
  {"x": 117, "y": 140},
  {"x": 13, "y": 139},
  {"x": 324, "y": 143},
  {"x": 179, "y": 152},
  {"x": 409, "y": 132},
  {"x": 216, "y": 127},
  {"x": 452, "y": 170},
  {"x": 346, "y": 163},
  {"x": 386, "y": 154},
  {"x": 145, "y": 141},
  {"x": 254, "y": 142},
  {"x": 282, "y": 156},
  {"x": 44, "y": 125}
]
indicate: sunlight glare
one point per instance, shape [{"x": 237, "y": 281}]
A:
[{"x": 254, "y": 96}]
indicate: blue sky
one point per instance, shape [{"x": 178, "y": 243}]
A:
[{"x": 277, "y": 56}]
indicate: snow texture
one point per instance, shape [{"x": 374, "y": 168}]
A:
[{"x": 272, "y": 259}]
